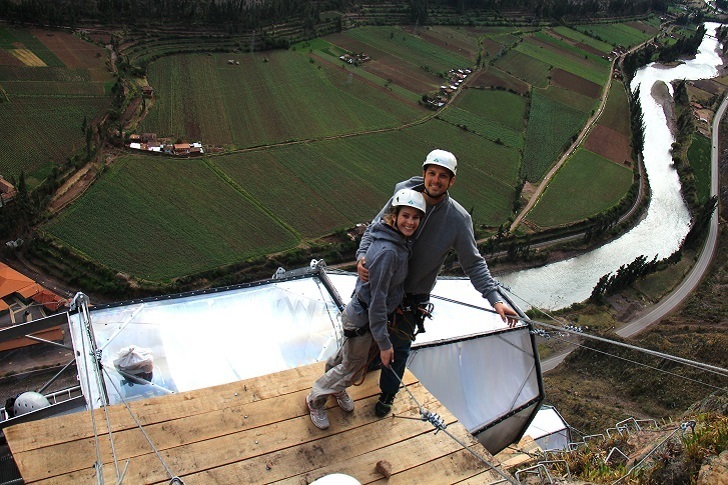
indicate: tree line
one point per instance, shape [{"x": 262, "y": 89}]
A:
[{"x": 236, "y": 15}]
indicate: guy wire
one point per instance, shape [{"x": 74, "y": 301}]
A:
[
  {"x": 174, "y": 478},
  {"x": 710, "y": 368},
  {"x": 439, "y": 425}
]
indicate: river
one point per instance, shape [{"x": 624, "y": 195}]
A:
[{"x": 667, "y": 221}]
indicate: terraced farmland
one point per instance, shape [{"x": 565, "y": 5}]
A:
[
  {"x": 46, "y": 101},
  {"x": 313, "y": 145}
]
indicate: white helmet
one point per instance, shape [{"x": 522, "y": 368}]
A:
[
  {"x": 29, "y": 401},
  {"x": 409, "y": 198},
  {"x": 443, "y": 159}
]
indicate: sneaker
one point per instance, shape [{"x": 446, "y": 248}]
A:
[
  {"x": 318, "y": 415},
  {"x": 344, "y": 401},
  {"x": 384, "y": 404}
]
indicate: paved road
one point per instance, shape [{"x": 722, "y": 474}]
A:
[{"x": 658, "y": 311}]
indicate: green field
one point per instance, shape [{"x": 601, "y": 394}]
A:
[
  {"x": 584, "y": 39},
  {"x": 525, "y": 67},
  {"x": 191, "y": 222},
  {"x": 616, "y": 112},
  {"x": 224, "y": 209},
  {"x": 502, "y": 107},
  {"x": 42, "y": 108},
  {"x": 591, "y": 70},
  {"x": 262, "y": 102},
  {"x": 579, "y": 102},
  {"x": 577, "y": 192},
  {"x": 484, "y": 127},
  {"x": 410, "y": 49},
  {"x": 9, "y": 37},
  {"x": 313, "y": 145},
  {"x": 615, "y": 34},
  {"x": 39, "y": 131},
  {"x": 546, "y": 140},
  {"x": 699, "y": 156}
]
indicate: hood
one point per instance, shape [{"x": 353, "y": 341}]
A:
[{"x": 384, "y": 232}]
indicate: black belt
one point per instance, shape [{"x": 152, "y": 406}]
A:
[
  {"x": 356, "y": 333},
  {"x": 362, "y": 330}
]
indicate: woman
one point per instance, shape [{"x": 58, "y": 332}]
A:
[{"x": 365, "y": 317}]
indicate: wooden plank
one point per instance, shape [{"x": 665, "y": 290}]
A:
[
  {"x": 63, "y": 429},
  {"x": 249, "y": 445},
  {"x": 285, "y": 464},
  {"x": 453, "y": 468},
  {"x": 425, "y": 458},
  {"x": 246, "y": 421}
]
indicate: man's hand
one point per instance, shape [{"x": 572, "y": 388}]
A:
[
  {"x": 362, "y": 271},
  {"x": 506, "y": 313},
  {"x": 387, "y": 356}
]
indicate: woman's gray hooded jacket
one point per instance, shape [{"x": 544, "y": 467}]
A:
[{"x": 374, "y": 300}]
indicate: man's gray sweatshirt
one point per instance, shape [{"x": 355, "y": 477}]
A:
[{"x": 446, "y": 225}]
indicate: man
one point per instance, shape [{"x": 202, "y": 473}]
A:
[{"x": 446, "y": 225}]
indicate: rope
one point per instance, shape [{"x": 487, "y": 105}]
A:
[
  {"x": 173, "y": 478},
  {"x": 710, "y": 368},
  {"x": 640, "y": 364},
  {"x": 440, "y": 425},
  {"x": 80, "y": 301},
  {"x": 648, "y": 454}
]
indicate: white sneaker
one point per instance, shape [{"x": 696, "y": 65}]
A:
[
  {"x": 318, "y": 415},
  {"x": 344, "y": 401}
]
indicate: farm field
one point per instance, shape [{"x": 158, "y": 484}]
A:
[
  {"x": 267, "y": 98},
  {"x": 615, "y": 115},
  {"x": 545, "y": 140},
  {"x": 616, "y": 34},
  {"x": 576, "y": 193},
  {"x": 49, "y": 82},
  {"x": 194, "y": 221},
  {"x": 580, "y": 39},
  {"x": 314, "y": 145},
  {"x": 699, "y": 156},
  {"x": 525, "y": 67},
  {"x": 563, "y": 56}
]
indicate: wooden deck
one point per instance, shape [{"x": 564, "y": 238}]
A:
[{"x": 253, "y": 431}]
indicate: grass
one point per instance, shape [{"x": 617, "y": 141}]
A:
[
  {"x": 575, "y": 193},
  {"x": 615, "y": 34},
  {"x": 546, "y": 140},
  {"x": 526, "y": 67},
  {"x": 656, "y": 285},
  {"x": 192, "y": 222},
  {"x": 257, "y": 102},
  {"x": 699, "y": 156},
  {"x": 616, "y": 112},
  {"x": 584, "y": 39}
]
